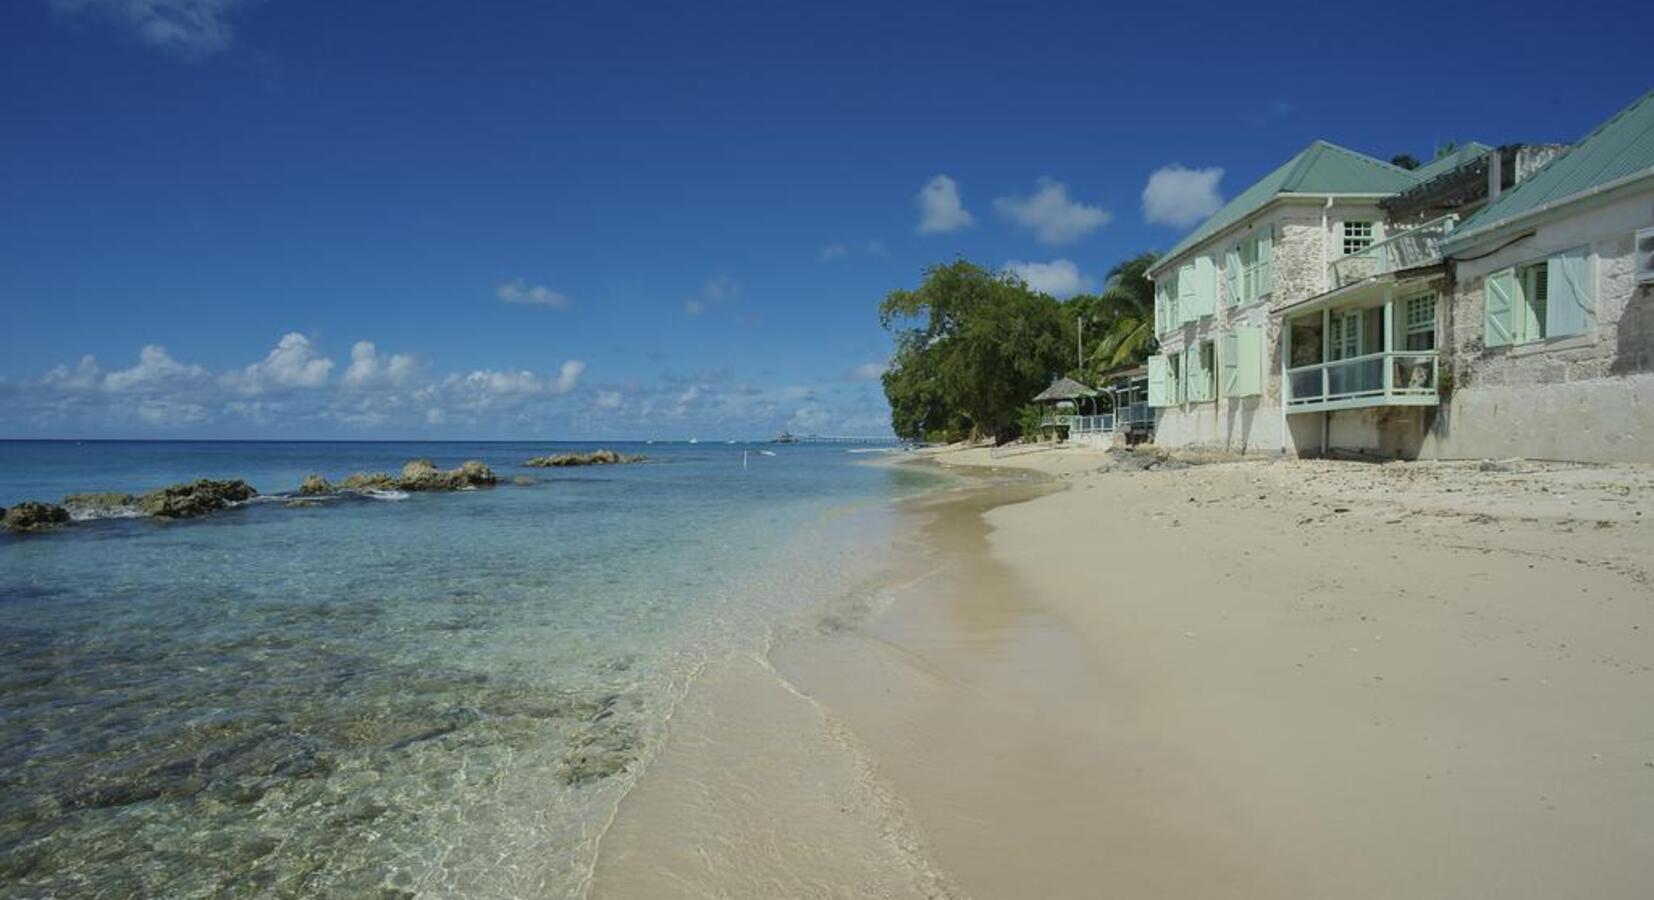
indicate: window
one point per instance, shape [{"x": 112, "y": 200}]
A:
[
  {"x": 1358, "y": 236},
  {"x": 1419, "y": 326},
  {"x": 1247, "y": 268},
  {"x": 1539, "y": 300}
]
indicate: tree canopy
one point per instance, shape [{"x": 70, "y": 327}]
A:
[{"x": 972, "y": 346}]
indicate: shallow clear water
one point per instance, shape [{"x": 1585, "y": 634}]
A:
[{"x": 444, "y": 695}]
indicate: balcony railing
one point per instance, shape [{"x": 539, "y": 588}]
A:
[
  {"x": 1417, "y": 246},
  {"x": 1057, "y": 420},
  {"x": 1400, "y": 377}
]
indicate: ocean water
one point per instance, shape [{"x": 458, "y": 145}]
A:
[{"x": 441, "y": 695}]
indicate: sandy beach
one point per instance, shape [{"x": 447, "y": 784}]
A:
[{"x": 1255, "y": 678}]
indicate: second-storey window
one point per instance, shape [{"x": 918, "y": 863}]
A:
[
  {"x": 1420, "y": 325},
  {"x": 1358, "y": 236}
]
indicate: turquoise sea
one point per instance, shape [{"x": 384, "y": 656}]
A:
[{"x": 438, "y": 695}]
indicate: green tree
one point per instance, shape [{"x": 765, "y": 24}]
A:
[
  {"x": 972, "y": 346},
  {"x": 1123, "y": 316},
  {"x": 1405, "y": 161}
]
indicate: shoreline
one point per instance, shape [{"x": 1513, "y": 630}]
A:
[{"x": 1249, "y": 679}]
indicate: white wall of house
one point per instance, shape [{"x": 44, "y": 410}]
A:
[{"x": 1581, "y": 397}]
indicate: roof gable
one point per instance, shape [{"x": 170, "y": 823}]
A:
[
  {"x": 1441, "y": 165},
  {"x": 1618, "y": 148},
  {"x": 1321, "y": 168}
]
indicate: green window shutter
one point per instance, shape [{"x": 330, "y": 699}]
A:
[
  {"x": 1248, "y": 362},
  {"x": 1570, "y": 306},
  {"x": 1186, "y": 294},
  {"x": 1266, "y": 262},
  {"x": 1157, "y": 381},
  {"x": 1499, "y": 299},
  {"x": 1229, "y": 362},
  {"x": 1206, "y": 286},
  {"x": 1231, "y": 275}
]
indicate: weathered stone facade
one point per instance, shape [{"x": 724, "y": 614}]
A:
[
  {"x": 1583, "y": 397},
  {"x": 1306, "y": 233}
]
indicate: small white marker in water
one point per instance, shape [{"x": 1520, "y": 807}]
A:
[{"x": 743, "y": 459}]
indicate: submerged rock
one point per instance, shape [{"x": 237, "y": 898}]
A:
[
  {"x": 603, "y": 457},
  {"x": 524, "y": 479},
  {"x": 313, "y": 485},
  {"x": 195, "y": 498},
  {"x": 100, "y": 506},
  {"x": 302, "y": 503},
  {"x": 32, "y": 515}
]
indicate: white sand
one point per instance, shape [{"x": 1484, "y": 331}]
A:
[{"x": 1258, "y": 679}]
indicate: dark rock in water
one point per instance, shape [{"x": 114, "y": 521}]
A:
[
  {"x": 34, "y": 516},
  {"x": 100, "y": 506},
  {"x": 196, "y": 498},
  {"x": 604, "y": 457},
  {"x": 313, "y": 485},
  {"x": 302, "y": 503},
  {"x": 368, "y": 481}
]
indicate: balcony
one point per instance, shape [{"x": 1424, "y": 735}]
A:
[
  {"x": 1389, "y": 378},
  {"x": 1417, "y": 246}
]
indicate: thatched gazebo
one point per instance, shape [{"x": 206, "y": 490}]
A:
[{"x": 1063, "y": 399}]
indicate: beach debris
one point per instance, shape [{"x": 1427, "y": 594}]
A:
[
  {"x": 195, "y": 498},
  {"x": 313, "y": 485},
  {"x": 600, "y": 457},
  {"x": 32, "y": 515}
]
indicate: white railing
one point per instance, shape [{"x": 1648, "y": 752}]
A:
[
  {"x": 1376, "y": 376},
  {"x": 1057, "y": 420},
  {"x": 1085, "y": 425},
  {"x": 1417, "y": 246}
]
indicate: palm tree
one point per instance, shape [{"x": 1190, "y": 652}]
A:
[{"x": 1127, "y": 305}]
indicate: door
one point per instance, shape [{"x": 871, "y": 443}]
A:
[{"x": 1348, "y": 342}]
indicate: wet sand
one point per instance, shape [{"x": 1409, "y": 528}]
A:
[{"x": 1238, "y": 680}]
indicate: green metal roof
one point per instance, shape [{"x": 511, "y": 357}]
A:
[
  {"x": 1321, "y": 168},
  {"x": 1618, "y": 148},
  {"x": 1441, "y": 165}
]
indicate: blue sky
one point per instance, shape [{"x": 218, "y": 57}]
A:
[{"x": 296, "y": 218}]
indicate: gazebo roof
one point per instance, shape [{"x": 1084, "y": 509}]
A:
[{"x": 1064, "y": 389}]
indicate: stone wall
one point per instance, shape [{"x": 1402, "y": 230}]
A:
[
  {"x": 1303, "y": 244},
  {"x": 1585, "y": 397}
]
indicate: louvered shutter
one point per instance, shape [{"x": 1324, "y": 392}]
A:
[
  {"x": 1206, "y": 286},
  {"x": 1499, "y": 296},
  {"x": 1231, "y": 276},
  {"x": 1266, "y": 262},
  {"x": 1570, "y": 306},
  {"x": 1186, "y": 289},
  {"x": 1157, "y": 381}
]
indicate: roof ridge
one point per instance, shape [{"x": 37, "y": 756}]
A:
[{"x": 1366, "y": 158}]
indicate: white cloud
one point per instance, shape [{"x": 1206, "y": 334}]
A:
[
  {"x": 608, "y": 400},
  {"x": 940, "y": 207},
  {"x": 371, "y": 369},
  {"x": 523, "y": 293},
  {"x": 85, "y": 376},
  {"x": 1180, "y": 196},
  {"x": 568, "y": 376},
  {"x": 868, "y": 371},
  {"x": 1060, "y": 277},
  {"x": 809, "y": 420},
  {"x": 720, "y": 290},
  {"x": 831, "y": 252},
  {"x": 190, "y": 29},
  {"x": 1051, "y": 214},
  {"x": 155, "y": 369},
  {"x": 294, "y": 363}
]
